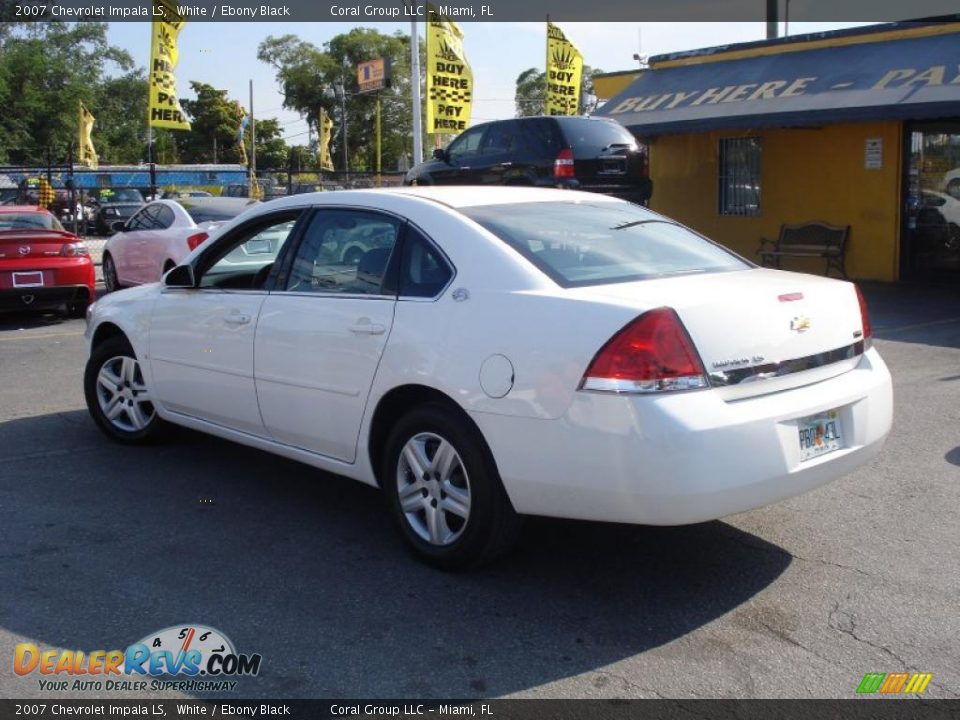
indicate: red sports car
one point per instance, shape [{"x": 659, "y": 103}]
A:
[{"x": 42, "y": 266}]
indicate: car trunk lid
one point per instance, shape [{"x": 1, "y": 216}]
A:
[
  {"x": 33, "y": 243},
  {"x": 757, "y": 324}
]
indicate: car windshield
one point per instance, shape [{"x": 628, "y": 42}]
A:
[
  {"x": 122, "y": 195},
  {"x": 28, "y": 221},
  {"x": 585, "y": 243},
  {"x": 201, "y": 212}
]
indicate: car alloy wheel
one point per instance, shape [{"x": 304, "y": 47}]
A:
[
  {"x": 110, "y": 282},
  {"x": 433, "y": 488},
  {"x": 444, "y": 489},
  {"x": 117, "y": 396}
]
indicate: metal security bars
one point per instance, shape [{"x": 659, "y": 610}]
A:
[{"x": 739, "y": 176}]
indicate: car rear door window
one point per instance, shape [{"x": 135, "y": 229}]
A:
[
  {"x": 466, "y": 146},
  {"x": 345, "y": 251},
  {"x": 424, "y": 272}
]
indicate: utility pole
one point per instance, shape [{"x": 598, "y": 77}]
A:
[
  {"x": 253, "y": 145},
  {"x": 772, "y": 19},
  {"x": 415, "y": 89}
]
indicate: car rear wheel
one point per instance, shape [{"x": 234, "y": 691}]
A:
[
  {"x": 444, "y": 490},
  {"x": 110, "y": 282},
  {"x": 117, "y": 396}
]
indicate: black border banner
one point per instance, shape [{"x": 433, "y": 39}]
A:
[
  {"x": 371, "y": 11},
  {"x": 907, "y": 708}
]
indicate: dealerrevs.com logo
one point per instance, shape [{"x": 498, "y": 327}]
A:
[{"x": 202, "y": 658}]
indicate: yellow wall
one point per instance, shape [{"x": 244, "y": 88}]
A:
[{"x": 806, "y": 174}]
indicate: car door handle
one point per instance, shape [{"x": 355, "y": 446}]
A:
[
  {"x": 237, "y": 319},
  {"x": 368, "y": 328}
]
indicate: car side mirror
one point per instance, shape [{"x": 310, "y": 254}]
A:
[
  {"x": 118, "y": 226},
  {"x": 440, "y": 154},
  {"x": 180, "y": 277}
]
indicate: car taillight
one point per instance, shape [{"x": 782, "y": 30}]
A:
[
  {"x": 194, "y": 241},
  {"x": 864, "y": 317},
  {"x": 74, "y": 250},
  {"x": 563, "y": 165},
  {"x": 652, "y": 354}
]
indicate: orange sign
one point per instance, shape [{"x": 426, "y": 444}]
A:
[{"x": 373, "y": 75}]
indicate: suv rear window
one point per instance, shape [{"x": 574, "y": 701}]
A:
[
  {"x": 578, "y": 244},
  {"x": 589, "y": 138}
]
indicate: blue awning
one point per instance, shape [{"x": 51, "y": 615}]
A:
[{"x": 912, "y": 78}]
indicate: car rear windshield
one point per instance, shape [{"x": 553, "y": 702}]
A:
[
  {"x": 584, "y": 243},
  {"x": 202, "y": 212},
  {"x": 589, "y": 138},
  {"x": 28, "y": 221}
]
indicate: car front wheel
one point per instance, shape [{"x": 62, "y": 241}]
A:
[
  {"x": 444, "y": 490},
  {"x": 117, "y": 396},
  {"x": 110, "y": 281}
]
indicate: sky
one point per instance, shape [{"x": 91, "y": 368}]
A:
[{"x": 225, "y": 54}]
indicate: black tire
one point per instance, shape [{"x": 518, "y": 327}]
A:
[
  {"x": 491, "y": 525},
  {"x": 126, "y": 428},
  {"x": 110, "y": 281}
]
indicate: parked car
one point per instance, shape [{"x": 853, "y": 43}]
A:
[
  {"x": 578, "y": 153},
  {"x": 113, "y": 206},
  {"x": 42, "y": 266},
  {"x": 502, "y": 352},
  {"x": 184, "y": 194},
  {"x": 162, "y": 234}
]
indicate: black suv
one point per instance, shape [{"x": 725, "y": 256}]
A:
[{"x": 595, "y": 154}]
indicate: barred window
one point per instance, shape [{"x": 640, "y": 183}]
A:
[{"x": 739, "y": 187}]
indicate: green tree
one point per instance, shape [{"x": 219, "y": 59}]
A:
[
  {"x": 46, "y": 69},
  {"x": 531, "y": 87},
  {"x": 272, "y": 151},
  {"x": 310, "y": 77},
  {"x": 215, "y": 123}
]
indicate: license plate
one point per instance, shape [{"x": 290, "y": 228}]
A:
[
  {"x": 27, "y": 279},
  {"x": 612, "y": 167},
  {"x": 819, "y": 434}
]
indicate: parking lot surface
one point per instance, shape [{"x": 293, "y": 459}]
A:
[{"x": 102, "y": 545}]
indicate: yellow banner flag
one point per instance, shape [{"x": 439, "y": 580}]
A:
[
  {"x": 164, "y": 110},
  {"x": 449, "y": 77},
  {"x": 86, "y": 155},
  {"x": 325, "y": 129},
  {"x": 46, "y": 194},
  {"x": 564, "y": 74}
]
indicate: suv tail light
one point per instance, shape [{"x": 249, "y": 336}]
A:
[
  {"x": 563, "y": 165},
  {"x": 194, "y": 241},
  {"x": 865, "y": 318},
  {"x": 76, "y": 249},
  {"x": 652, "y": 354}
]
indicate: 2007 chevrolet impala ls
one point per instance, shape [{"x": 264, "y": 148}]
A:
[{"x": 482, "y": 353}]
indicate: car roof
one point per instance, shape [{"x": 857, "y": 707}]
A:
[
  {"x": 24, "y": 209},
  {"x": 451, "y": 196}
]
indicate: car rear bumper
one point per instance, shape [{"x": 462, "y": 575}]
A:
[
  {"x": 685, "y": 457},
  {"x": 40, "y": 298}
]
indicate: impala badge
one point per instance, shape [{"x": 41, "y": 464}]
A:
[{"x": 800, "y": 324}]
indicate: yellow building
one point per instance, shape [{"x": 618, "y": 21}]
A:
[{"x": 858, "y": 127}]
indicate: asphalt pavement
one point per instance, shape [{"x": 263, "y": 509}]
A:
[{"x": 103, "y": 544}]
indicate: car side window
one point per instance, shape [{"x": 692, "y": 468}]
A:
[
  {"x": 243, "y": 260},
  {"x": 423, "y": 270},
  {"x": 141, "y": 220},
  {"x": 500, "y": 138},
  {"x": 344, "y": 251},
  {"x": 466, "y": 145},
  {"x": 164, "y": 218}
]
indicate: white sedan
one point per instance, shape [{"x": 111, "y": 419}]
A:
[
  {"x": 497, "y": 352},
  {"x": 160, "y": 235}
]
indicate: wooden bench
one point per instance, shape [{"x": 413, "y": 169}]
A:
[{"x": 810, "y": 239}]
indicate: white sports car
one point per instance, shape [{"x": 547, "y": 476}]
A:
[
  {"x": 496, "y": 352},
  {"x": 160, "y": 235}
]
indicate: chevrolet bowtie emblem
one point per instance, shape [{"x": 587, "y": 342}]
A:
[{"x": 800, "y": 324}]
